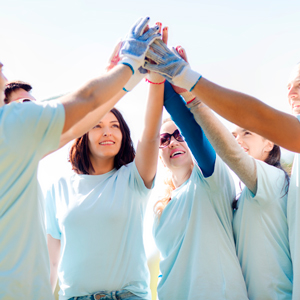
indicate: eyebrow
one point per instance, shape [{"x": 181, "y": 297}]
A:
[{"x": 111, "y": 122}]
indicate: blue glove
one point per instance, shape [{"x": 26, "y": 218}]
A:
[
  {"x": 136, "y": 44},
  {"x": 171, "y": 66}
]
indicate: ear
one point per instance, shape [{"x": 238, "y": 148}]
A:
[{"x": 269, "y": 146}]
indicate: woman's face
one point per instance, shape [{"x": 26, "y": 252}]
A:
[
  {"x": 294, "y": 91},
  {"x": 105, "y": 138},
  {"x": 176, "y": 154},
  {"x": 252, "y": 143}
]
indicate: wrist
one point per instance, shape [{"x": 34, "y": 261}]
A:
[
  {"x": 131, "y": 63},
  {"x": 187, "y": 79}
]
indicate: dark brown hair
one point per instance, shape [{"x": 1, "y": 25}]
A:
[
  {"x": 79, "y": 155},
  {"x": 13, "y": 86}
]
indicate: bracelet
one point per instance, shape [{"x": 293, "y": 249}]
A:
[
  {"x": 155, "y": 82},
  {"x": 191, "y": 101}
]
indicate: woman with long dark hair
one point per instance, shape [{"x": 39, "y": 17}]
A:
[
  {"x": 260, "y": 218},
  {"x": 95, "y": 217}
]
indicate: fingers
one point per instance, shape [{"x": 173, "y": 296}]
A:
[
  {"x": 151, "y": 34},
  {"x": 141, "y": 25},
  {"x": 165, "y": 33},
  {"x": 114, "y": 58},
  {"x": 181, "y": 51}
]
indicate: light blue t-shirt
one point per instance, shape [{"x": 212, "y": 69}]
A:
[
  {"x": 261, "y": 234},
  {"x": 28, "y": 131},
  {"x": 194, "y": 235},
  {"x": 99, "y": 221},
  {"x": 293, "y": 215}
]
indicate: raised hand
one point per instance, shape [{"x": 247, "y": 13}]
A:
[
  {"x": 171, "y": 66},
  {"x": 153, "y": 77},
  {"x": 186, "y": 95},
  {"x": 136, "y": 44}
]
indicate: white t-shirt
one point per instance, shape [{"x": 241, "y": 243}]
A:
[
  {"x": 293, "y": 215},
  {"x": 28, "y": 131},
  {"x": 194, "y": 235},
  {"x": 261, "y": 234},
  {"x": 99, "y": 221}
]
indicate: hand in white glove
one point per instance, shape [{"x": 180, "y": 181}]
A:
[
  {"x": 185, "y": 94},
  {"x": 136, "y": 44},
  {"x": 171, "y": 66}
]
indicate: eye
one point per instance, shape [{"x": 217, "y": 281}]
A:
[
  {"x": 116, "y": 126},
  {"x": 247, "y": 133},
  {"x": 97, "y": 126}
]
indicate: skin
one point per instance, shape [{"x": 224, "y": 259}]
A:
[
  {"x": 294, "y": 91},
  {"x": 252, "y": 143},
  {"x": 104, "y": 143},
  {"x": 248, "y": 112},
  {"x": 20, "y": 94},
  {"x": 102, "y": 156},
  {"x": 180, "y": 165}
]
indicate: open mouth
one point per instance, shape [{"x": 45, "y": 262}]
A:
[
  {"x": 107, "y": 143},
  {"x": 176, "y": 153}
]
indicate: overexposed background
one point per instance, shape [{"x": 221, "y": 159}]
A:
[{"x": 56, "y": 46}]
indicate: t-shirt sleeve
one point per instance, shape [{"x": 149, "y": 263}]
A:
[
  {"x": 136, "y": 181},
  {"x": 52, "y": 226},
  {"x": 220, "y": 186},
  {"x": 271, "y": 182},
  {"x": 36, "y": 127}
]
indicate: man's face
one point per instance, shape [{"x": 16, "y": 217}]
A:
[
  {"x": 3, "y": 81},
  {"x": 20, "y": 94},
  {"x": 294, "y": 91}
]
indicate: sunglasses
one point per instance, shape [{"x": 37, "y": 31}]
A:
[{"x": 165, "y": 138}]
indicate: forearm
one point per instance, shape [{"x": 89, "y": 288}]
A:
[
  {"x": 90, "y": 120},
  {"x": 93, "y": 95},
  {"x": 251, "y": 114},
  {"x": 192, "y": 132},
  {"x": 147, "y": 149},
  {"x": 225, "y": 145}
]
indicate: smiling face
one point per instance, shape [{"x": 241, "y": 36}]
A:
[
  {"x": 294, "y": 90},
  {"x": 252, "y": 143},
  {"x": 176, "y": 154},
  {"x": 105, "y": 138}
]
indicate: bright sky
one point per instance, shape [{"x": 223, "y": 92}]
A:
[{"x": 56, "y": 46}]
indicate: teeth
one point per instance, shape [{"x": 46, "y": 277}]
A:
[
  {"x": 177, "y": 152},
  {"x": 106, "y": 143}
]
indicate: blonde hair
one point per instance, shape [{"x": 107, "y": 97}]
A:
[{"x": 161, "y": 204}]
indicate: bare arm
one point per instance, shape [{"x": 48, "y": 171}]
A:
[
  {"x": 250, "y": 113},
  {"x": 147, "y": 149},
  {"x": 90, "y": 120},
  {"x": 97, "y": 94},
  {"x": 54, "y": 255},
  {"x": 225, "y": 145}
]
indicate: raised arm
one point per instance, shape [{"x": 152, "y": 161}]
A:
[
  {"x": 250, "y": 113},
  {"x": 148, "y": 145},
  {"x": 103, "y": 92},
  {"x": 225, "y": 145},
  {"x": 241, "y": 109},
  {"x": 201, "y": 148}
]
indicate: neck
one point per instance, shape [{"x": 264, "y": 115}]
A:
[
  {"x": 181, "y": 175},
  {"x": 101, "y": 166}
]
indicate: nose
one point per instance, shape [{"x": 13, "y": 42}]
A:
[
  {"x": 173, "y": 142},
  {"x": 239, "y": 139}
]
